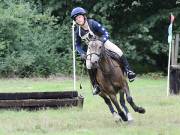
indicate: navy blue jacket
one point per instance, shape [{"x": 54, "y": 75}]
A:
[{"x": 96, "y": 28}]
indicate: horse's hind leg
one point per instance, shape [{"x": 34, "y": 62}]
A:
[
  {"x": 131, "y": 102},
  {"x": 115, "y": 102}
]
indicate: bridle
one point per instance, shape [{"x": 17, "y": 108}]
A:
[
  {"x": 98, "y": 55},
  {"x": 90, "y": 54},
  {"x": 102, "y": 54}
]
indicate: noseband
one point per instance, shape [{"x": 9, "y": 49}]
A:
[
  {"x": 90, "y": 54},
  {"x": 98, "y": 55}
]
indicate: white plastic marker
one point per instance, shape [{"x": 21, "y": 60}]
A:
[
  {"x": 74, "y": 57},
  {"x": 170, "y": 46}
]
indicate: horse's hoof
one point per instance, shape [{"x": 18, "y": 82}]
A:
[
  {"x": 130, "y": 118},
  {"x": 116, "y": 117},
  {"x": 123, "y": 116},
  {"x": 141, "y": 110}
]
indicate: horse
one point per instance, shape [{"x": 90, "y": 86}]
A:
[{"x": 112, "y": 81}]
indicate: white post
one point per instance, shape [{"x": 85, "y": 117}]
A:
[
  {"x": 74, "y": 58},
  {"x": 170, "y": 46},
  {"x": 169, "y": 64}
]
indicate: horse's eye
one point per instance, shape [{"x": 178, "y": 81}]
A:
[{"x": 100, "y": 47}]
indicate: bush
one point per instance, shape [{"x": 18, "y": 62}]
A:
[{"x": 31, "y": 43}]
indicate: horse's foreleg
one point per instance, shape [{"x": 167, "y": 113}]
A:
[
  {"x": 131, "y": 102},
  {"x": 115, "y": 102},
  {"x": 122, "y": 101},
  {"x": 116, "y": 117},
  {"x": 108, "y": 102}
]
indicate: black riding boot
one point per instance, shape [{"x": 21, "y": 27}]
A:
[
  {"x": 92, "y": 76},
  {"x": 131, "y": 75}
]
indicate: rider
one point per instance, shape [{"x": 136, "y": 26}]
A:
[{"x": 86, "y": 29}]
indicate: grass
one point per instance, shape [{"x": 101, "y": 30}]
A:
[{"x": 161, "y": 118}]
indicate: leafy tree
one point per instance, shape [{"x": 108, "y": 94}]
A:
[{"x": 35, "y": 36}]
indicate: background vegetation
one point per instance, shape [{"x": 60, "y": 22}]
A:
[{"x": 35, "y": 36}]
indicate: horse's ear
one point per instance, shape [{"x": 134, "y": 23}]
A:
[{"x": 92, "y": 37}]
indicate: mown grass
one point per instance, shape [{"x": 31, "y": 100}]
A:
[{"x": 161, "y": 118}]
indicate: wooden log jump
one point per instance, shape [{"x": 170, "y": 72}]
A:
[{"x": 38, "y": 100}]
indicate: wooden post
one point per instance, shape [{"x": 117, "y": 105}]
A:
[
  {"x": 176, "y": 49},
  {"x": 175, "y": 67}
]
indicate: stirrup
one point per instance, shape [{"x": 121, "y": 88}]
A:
[
  {"x": 131, "y": 75},
  {"x": 96, "y": 90}
]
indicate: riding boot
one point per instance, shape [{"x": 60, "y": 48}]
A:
[
  {"x": 131, "y": 75},
  {"x": 92, "y": 76}
]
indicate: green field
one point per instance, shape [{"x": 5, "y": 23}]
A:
[{"x": 161, "y": 117}]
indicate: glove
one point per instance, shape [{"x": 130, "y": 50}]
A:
[{"x": 83, "y": 56}]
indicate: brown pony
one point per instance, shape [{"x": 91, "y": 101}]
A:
[{"x": 111, "y": 80}]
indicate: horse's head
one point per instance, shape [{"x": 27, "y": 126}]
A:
[{"x": 95, "y": 50}]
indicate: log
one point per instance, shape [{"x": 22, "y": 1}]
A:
[
  {"x": 39, "y": 100},
  {"x": 175, "y": 81},
  {"x": 38, "y": 95},
  {"x": 41, "y": 103},
  {"x": 175, "y": 67}
]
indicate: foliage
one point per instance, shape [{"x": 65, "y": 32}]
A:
[
  {"x": 32, "y": 43},
  {"x": 35, "y": 36}
]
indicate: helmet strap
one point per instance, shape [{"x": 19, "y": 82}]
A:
[{"x": 85, "y": 19}]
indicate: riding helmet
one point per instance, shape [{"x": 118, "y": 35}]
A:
[{"x": 77, "y": 11}]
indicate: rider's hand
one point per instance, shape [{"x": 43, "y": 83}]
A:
[{"x": 83, "y": 56}]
